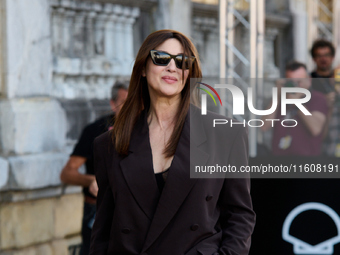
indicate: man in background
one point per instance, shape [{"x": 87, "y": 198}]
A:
[
  {"x": 323, "y": 53},
  {"x": 306, "y": 137},
  {"x": 83, "y": 154}
]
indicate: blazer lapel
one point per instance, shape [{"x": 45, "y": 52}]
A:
[
  {"x": 137, "y": 169},
  {"x": 198, "y": 137},
  {"x": 178, "y": 183}
]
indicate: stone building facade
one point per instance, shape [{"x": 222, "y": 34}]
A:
[{"x": 58, "y": 60}]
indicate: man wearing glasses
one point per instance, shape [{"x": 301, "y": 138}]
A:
[{"x": 323, "y": 53}]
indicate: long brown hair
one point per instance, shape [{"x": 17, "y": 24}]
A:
[{"x": 138, "y": 95}]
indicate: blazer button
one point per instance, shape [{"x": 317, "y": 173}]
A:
[
  {"x": 208, "y": 198},
  {"x": 194, "y": 227},
  {"x": 126, "y": 230}
]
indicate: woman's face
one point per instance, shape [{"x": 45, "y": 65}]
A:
[{"x": 166, "y": 81}]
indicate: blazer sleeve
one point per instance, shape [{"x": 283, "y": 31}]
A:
[
  {"x": 105, "y": 203},
  {"x": 237, "y": 217}
]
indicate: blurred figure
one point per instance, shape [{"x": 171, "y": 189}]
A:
[
  {"x": 83, "y": 154},
  {"x": 331, "y": 145},
  {"x": 305, "y": 138},
  {"x": 323, "y": 53}
]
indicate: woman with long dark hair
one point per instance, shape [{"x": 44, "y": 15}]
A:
[{"x": 147, "y": 202}]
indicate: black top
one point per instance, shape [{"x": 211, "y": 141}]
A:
[
  {"x": 84, "y": 147},
  {"x": 323, "y": 83},
  {"x": 160, "y": 178}
]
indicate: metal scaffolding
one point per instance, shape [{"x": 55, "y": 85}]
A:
[
  {"x": 229, "y": 18},
  {"x": 336, "y": 27},
  {"x": 323, "y": 21}
]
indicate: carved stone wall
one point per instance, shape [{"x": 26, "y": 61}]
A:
[
  {"x": 58, "y": 61},
  {"x": 92, "y": 44},
  {"x": 206, "y": 39}
]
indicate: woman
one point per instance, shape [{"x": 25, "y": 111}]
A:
[{"x": 147, "y": 202}]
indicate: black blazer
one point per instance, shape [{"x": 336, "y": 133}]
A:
[{"x": 191, "y": 216}]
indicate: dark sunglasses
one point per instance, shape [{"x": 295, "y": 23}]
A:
[{"x": 161, "y": 58}]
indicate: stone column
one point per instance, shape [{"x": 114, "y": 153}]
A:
[
  {"x": 198, "y": 36},
  {"x": 127, "y": 30},
  {"x": 119, "y": 33},
  {"x": 121, "y": 40},
  {"x": 181, "y": 16},
  {"x": 57, "y": 33},
  {"x": 129, "y": 54},
  {"x": 300, "y": 29},
  {"x": 109, "y": 44},
  {"x": 270, "y": 70},
  {"x": 68, "y": 33},
  {"x": 162, "y": 15},
  {"x": 90, "y": 34},
  {"x": 66, "y": 26},
  {"x": 174, "y": 14},
  {"x": 78, "y": 35},
  {"x": 99, "y": 33},
  {"x": 210, "y": 31}
]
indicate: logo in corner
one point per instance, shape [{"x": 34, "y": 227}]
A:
[
  {"x": 301, "y": 247},
  {"x": 204, "y": 97}
]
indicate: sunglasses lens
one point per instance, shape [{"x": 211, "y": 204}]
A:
[
  {"x": 187, "y": 62},
  {"x": 178, "y": 61},
  {"x": 161, "y": 58}
]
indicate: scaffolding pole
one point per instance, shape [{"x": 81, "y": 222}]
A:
[
  {"x": 336, "y": 32},
  {"x": 222, "y": 33},
  {"x": 257, "y": 31},
  {"x": 312, "y": 32},
  {"x": 260, "y": 39},
  {"x": 231, "y": 40},
  {"x": 253, "y": 73},
  {"x": 230, "y": 36},
  {"x": 260, "y": 55}
]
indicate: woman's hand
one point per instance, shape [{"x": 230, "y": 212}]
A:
[{"x": 93, "y": 188}]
